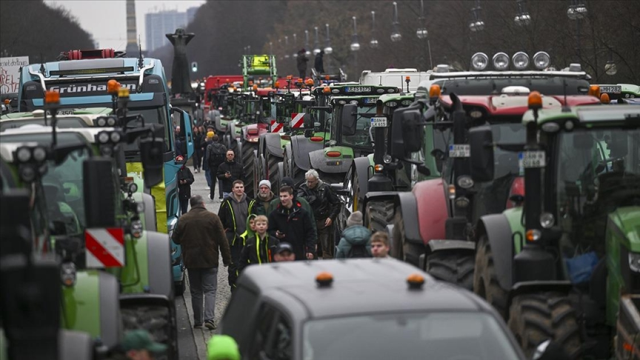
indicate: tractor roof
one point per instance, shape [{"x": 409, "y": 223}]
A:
[
  {"x": 628, "y": 115},
  {"x": 515, "y": 105}
]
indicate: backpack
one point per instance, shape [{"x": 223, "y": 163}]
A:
[
  {"x": 216, "y": 153},
  {"x": 358, "y": 251}
]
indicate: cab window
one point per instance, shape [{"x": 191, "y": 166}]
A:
[{"x": 273, "y": 338}]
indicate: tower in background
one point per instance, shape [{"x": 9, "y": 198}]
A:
[{"x": 132, "y": 43}]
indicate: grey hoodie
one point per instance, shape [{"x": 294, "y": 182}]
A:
[{"x": 241, "y": 211}]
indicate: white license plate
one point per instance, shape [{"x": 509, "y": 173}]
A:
[
  {"x": 614, "y": 89},
  {"x": 63, "y": 112},
  {"x": 459, "y": 150},
  {"x": 379, "y": 121},
  {"x": 532, "y": 159}
]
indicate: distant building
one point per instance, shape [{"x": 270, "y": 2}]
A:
[{"x": 165, "y": 22}]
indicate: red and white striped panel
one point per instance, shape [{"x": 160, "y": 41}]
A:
[
  {"x": 276, "y": 127},
  {"x": 105, "y": 247},
  {"x": 297, "y": 120}
]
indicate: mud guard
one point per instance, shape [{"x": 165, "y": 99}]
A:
[
  {"x": 302, "y": 146},
  {"x": 75, "y": 345},
  {"x": 110, "y": 321},
  {"x": 408, "y": 206},
  {"x": 151, "y": 303},
  {"x": 159, "y": 260},
  {"x": 361, "y": 168},
  {"x": 273, "y": 144},
  {"x": 150, "y": 222},
  {"x": 532, "y": 287},
  {"x": 499, "y": 235},
  {"x": 431, "y": 208},
  {"x": 319, "y": 162},
  {"x": 238, "y": 151}
]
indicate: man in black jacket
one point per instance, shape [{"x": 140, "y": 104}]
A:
[
  {"x": 326, "y": 207},
  {"x": 291, "y": 223},
  {"x": 216, "y": 153},
  {"x": 185, "y": 179},
  {"x": 229, "y": 171}
]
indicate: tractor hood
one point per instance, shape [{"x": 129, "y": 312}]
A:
[{"x": 625, "y": 223}]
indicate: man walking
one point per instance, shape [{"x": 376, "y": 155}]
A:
[
  {"x": 201, "y": 235},
  {"x": 301, "y": 63},
  {"x": 291, "y": 223},
  {"x": 230, "y": 171},
  {"x": 215, "y": 156},
  {"x": 185, "y": 179},
  {"x": 325, "y": 205},
  {"x": 233, "y": 213},
  {"x": 264, "y": 198}
]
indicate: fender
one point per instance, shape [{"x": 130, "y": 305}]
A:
[
  {"x": 431, "y": 208},
  {"x": 273, "y": 144},
  {"x": 320, "y": 162},
  {"x": 288, "y": 154},
  {"x": 499, "y": 234},
  {"x": 536, "y": 287},
  {"x": 409, "y": 207},
  {"x": 149, "y": 212},
  {"x": 231, "y": 131},
  {"x": 446, "y": 245},
  {"x": 300, "y": 147},
  {"x": 157, "y": 301},
  {"x": 159, "y": 264},
  {"x": 238, "y": 151},
  {"x": 361, "y": 168}
]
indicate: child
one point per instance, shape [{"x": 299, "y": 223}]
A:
[
  {"x": 380, "y": 245},
  {"x": 257, "y": 249},
  {"x": 354, "y": 241}
]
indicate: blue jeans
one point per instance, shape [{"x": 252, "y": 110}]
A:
[
  {"x": 207, "y": 176},
  {"x": 203, "y": 284}
]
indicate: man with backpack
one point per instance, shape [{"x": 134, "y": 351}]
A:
[
  {"x": 354, "y": 241},
  {"x": 216, "y": 154}
]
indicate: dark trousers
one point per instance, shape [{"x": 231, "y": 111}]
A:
[
  {"x": 302, "y": 74},
  {"x": 184, "y": 205},
  {"x": 236, "y": 251},
  {"x": 213, "y": 173},
  {"x": 203, "y": 284},
  {"x": 197, "y": 158},
  {"x": 325, "y": 239}
]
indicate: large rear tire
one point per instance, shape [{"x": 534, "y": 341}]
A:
[
  {"x": 485, "y": 279},
  {"x": 274, "y": 174},
  {"x": 248, "y": 159},
  {"x": 402, "y": 249},
  {"x": 452, "y": 266},
  {"x": 379, "y": 214},
  {"x": 534, "y": 318}
]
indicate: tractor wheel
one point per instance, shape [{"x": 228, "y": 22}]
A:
[
  {"x": 355, "y": 193},
  {"x": 274, "y": 174},
  {"x": 248, "y": 159},
  {"x": 157, "y": 321},
  {"x": 485, "y": 279},
  {"x": 534, "y": 318},
  {"x": 403, "y": 250},
  {"x": 379, "y": 214},
  {"x": 295, "y": 172},
  {"x": 453, "y": 267}
]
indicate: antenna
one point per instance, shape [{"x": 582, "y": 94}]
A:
[
  {"x": 380, "y": 80},
  {"x": 565, "y": 106},
  {"x": 42, "y": 68},
  {"x": 140, "y": 59}
]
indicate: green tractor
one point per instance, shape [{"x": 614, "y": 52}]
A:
[{"x": 557, "y": 266}]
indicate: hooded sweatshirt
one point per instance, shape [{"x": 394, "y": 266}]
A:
[
  {"x": 241, "y": 211},
  {"x": 353, "y": 235}
]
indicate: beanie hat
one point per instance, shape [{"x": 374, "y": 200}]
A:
[
  {"x": 287, "y": 181},
  {"x": 222, "y": 347},
  {"x": 210, "y": 134},
  {"x": 265, "y": 182},
  {"x": 355, "y": 219}
]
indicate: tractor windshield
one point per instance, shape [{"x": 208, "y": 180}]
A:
[
  {"x": 597, "y": 171},
  {"x": 155, "y": 115},
  {"x": 361, "y": 138}
]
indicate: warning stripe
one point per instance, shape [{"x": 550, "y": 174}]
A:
[
  {"x": 276, "y": 127},
  {"x": 105, "y": 247},
  {"x": 297, "y": 119}
]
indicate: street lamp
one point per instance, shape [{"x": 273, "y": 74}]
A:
[
  {"x": 295, "y": 46},
  {"x": 355, "y": 46},
  {"x": 328, "y": 50},
  {"x": 522, "y": 17},
  {"x": 577, "y": 11},
  {"x": 316, "y": 45},
  {"x": 422, "y": 32},
  {"x": 476, "y": 23},
  {"x": 610, "y": 67},
  {"x": 306, "y": 43},
  {"x": 286, "y": 46},
  {"x": 395, "y": 35},
  {"x": 373, "y": 42}
]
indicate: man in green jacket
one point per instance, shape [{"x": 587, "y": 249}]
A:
[{"x": 201, "y": 235}]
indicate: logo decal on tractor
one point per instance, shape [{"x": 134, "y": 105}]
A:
[{"x": 105, "y": 247}]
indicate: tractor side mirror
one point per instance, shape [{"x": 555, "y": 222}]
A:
[
  {"x": 407, "y": 135},
  {"x": 15, "y": 222},
  {"x": 152, "y": 160},
  {"x": 349, "y": 118},
  {"x": 481, "y": 144},
  {"x": 99, "y": 194},
  {"x": 422, "y": 169}
]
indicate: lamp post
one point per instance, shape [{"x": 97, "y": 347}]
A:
[
  {"x": 610, "y": 68},
  {"x": 522, "y": 17},
  {"x": 316, "y": 43},
  {"x": 395, "y": 35},
  {"x": 422, "y": 34},
  {"x": 374, "y": 42},
  {"x": 577, "y": 11},
  {"x": 306, "y": 43},
  {"x": 295, "y": 46},
  {"x": 328, "y": 50},
  {"x": 355, "y": 46},
  {"x": 286, "y": 47},
  {"x": 476, "y": 23}
]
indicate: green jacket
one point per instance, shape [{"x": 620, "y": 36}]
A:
[
  {"x": 257, "y": 251},
  {"x": 353, "y": 235},
  {"x": 247, "y": 234}
]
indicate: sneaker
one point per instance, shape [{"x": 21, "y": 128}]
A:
[
  {"x": 197, "y": 326},
  {"x": 210, "y": 325},
  {"x": 208, "y": 188},
  {"x": 220, "y": 198}
]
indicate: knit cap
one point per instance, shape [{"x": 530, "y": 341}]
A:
[
  {"x": 265, "y": 182},
  {"x": 355, "y": 219}
]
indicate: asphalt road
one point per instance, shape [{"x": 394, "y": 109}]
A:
[{"x": 192, "y": 342}]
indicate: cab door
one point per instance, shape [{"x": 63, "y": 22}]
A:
[{"x": 186, "y": 132}]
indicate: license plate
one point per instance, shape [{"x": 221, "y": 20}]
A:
[
  {"x": 459, "y": 150},
  {"x": 357, "y": 89},
  {"x": 379, "y": 121},
  {"x": 63, "y": 112},
  {"x": 613, "y": 89},
  {"x": 532, "y": 159}
]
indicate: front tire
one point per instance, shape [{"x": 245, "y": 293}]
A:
[
  {"x": 402, "y": 249},
  {"x": 453, "y": 267},
  {"x": 485, "y": 279},
  {"x": 379, "y": 214},
  {"x": 248, "y": 159},
  {"x": 534, "y": 318},
  {"x": 274, "y": 174}
]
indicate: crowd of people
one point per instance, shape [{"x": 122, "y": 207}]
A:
[{"x": 296, "y": 224}]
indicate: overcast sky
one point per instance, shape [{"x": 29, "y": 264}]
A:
[{"x": 106, "y": 19}]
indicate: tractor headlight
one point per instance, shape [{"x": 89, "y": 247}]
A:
[
  {"x": 479, "y": 61},
  {"x": 547, "y": 220},
  {"x": 68, "y": 274},
  {"x": 133, "y": 187},
  {"x": 27, "y": 173},
  {"x": 115, "y": 137},
  {"x": 103, "y": 137},
  {"x": 520, "y": 60},
  {"x": 23, "y": 154},
  {"x": 387, "y": 159},
  {"x": 101, "y": 121},
  {"x": 634, "y": 262},
  {"x": 541, "y": 60},
  {"x": 39, "y": 154},
  {"x": 462, "y": 202},
  {"x": 111, "y": 121},
  {"x": 136, "y": 228},
  {"x": 465, "y": 182},
  {"x": 501, "y": 61}
]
